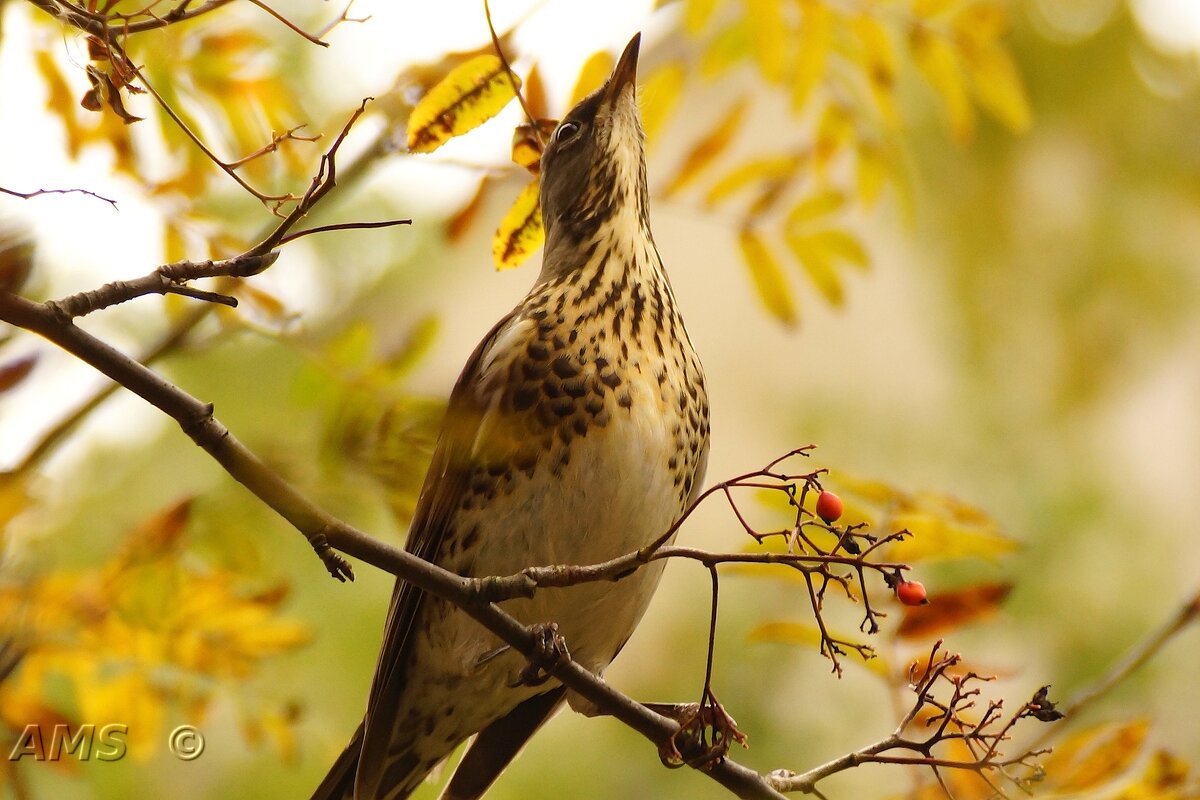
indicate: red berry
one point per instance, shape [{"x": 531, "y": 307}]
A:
[
  {"x": 829, "y": 507},
  {"x": 911, "y": 593}
]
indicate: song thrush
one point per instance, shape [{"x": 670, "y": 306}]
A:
[{"x": 577, "y": 432}]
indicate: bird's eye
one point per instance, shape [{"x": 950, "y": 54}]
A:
[{"x": 566, "y": 131}]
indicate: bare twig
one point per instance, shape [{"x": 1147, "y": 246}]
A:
[
  {"x": 983, "y": 737},
  {"x": 38, "y": 192},
  {"x": 344, "y": 226},
  {"x": 289, "y": 24},
  {"x": 512, "y": 78},
  {"x": 1187, "y": 614}
]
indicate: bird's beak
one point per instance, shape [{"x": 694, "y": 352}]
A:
[{"x": 625, "y": 73}]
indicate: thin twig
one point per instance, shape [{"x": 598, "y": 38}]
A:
[
  {"x": 1187, "y": 614},
  {"x": 289, "y": 24},
  {"x": 344, "y": 226},
  {"x": 38, "y": 192},
  {"x": 512, "y": 78}
]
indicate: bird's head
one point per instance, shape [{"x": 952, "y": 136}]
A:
[{"x": 594, "y": 168}]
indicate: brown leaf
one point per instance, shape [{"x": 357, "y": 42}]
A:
[
  {"x": 157, "y": 537},
  {"x": 534, "y": 90},
  {"x": 16, "y": 259},
  {"x": 15, "y": 371},
  {"x": 458, "y": 224},
  {"x": 952, "y": 609},
  {"x": 708, "y": 148}
]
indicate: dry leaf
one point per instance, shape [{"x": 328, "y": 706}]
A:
[
  {"x": 705, "y": 151},
  {"x": 458, "y": 224},
  {"x": 952, "y": 609},
  {"x": 15, "y": 371}
]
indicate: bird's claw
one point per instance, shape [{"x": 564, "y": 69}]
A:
[
  {"x": 551, "y": 650},
  {"x": 705, "y": 731}
]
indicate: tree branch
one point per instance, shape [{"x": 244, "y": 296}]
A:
[
  {"x": 38, "y": 192},
  {"x": 324, "y": 532}
]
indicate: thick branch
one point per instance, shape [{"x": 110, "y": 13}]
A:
[{"x": 322, "y": 530}]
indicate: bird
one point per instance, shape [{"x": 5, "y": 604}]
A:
[{"x": 578, "y": 431}]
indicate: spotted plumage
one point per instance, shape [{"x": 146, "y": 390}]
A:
[{"x": 577, "y": 432}]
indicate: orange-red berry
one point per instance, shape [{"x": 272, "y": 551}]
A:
[
  {"x": 911, "y": 593},
  {"x": 829, "y": 507}
]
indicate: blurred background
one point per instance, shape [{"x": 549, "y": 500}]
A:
[{"x": 979, "y": 299}]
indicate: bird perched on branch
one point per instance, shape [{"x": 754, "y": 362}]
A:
[{"x": 577, "y": 432}]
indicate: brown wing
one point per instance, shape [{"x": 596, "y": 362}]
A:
[{"x": 440, "y": 495}]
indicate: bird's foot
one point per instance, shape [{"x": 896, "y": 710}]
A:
[
  {"x": 551, "y": 650},
  {"x": 705, "y": 731}
]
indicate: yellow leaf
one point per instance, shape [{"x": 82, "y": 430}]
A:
[
  {"x": 878, "y": 56},
  {"x": 814, "y": 206},
  {"x": 767, "y": 277},
  {"x": 60, "y": 101},
  {"x": 1165, "y": 771},
  {"x": 659, "y": 95},
  {"x": 696, "y": 15},
  {"x": 527, "y": 143},
  {"x": 835, "y": 130},
  {"x": 472, "y": 93},
  {"x": 769, "y": 32},
  {"x": 1095, "y": 756},
  {"x": 812, "y": 50},
  {"x": 14, "y": 499},
  {"x": 520, "y": 232},
  {"x": 871, "y": 172},
  {"x": 842, "y": 245},
  {"x": 998, "y": 86},
  {"x": 928, "y": 9},
  {"x": 131, "y": 699},
  {"x": 818, "y": 264},
  {"x": 592, "y": 76},
  {"x": 705, "y": 151},
  {"x": 805, "y": 635},
  {"x": 939, "y": 63},
  {"x": 727, "y": 48},
  {"x": 938, "y": 535},
  {"x": 775, "y": 168}
]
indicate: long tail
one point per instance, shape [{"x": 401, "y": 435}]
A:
[{"x": 339, "y": 782}]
